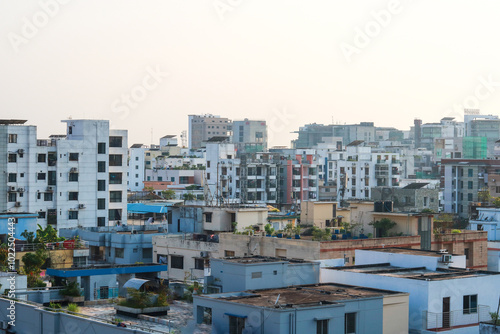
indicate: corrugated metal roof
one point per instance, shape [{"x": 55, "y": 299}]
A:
[{"x": 135, "y": 283}]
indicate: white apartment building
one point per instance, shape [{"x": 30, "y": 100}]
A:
[
  {"x": 136, "y": 167},
  {"x": 74, "y": 180},
  {"x": 360, "y": 170}
]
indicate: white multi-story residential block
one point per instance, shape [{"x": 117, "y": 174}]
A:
[
  {"x": 78, "y": 179},
  {"x": 360, "y": 170},
  {"x": 136, "y": 167}
]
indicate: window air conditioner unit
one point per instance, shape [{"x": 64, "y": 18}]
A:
[
  {"x": 12, "y": 189},
  {"x": 446, "y": 258}
]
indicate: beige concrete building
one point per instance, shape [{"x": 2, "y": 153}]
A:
[
  {"x": 319, "y": 214},
  {"x": 217, "y": 219}
]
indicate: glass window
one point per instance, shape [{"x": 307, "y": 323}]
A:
[
  {"x": 12, "y": 138},
  {"x": 12, "y": 177},
  {"x": 115, "y": 196},
  {"x": 177, "y": 262},
  {"x": 73, "y": 196},
  {"x": 119, "y": 252},
  {"x": 115, "y": 159},
  {"x": 73, "y": 215},
  {"x": 147, "y": 253},
  {"x": 115, "y": 214},
  {"x": 101, "y": 185},
  {"x": 350, "y": 323},
  {"x": 73, "y": 157},
  {"x": 101, "y": 166},
  {"x": 41, "y": 214},
  {"x": 41, "y": 176},
  {"x": 115, "y": 141},
  {"x": 42, "y": 157},
  {"x": 101, "y": 221},
  {"x": 115, "y": 178},
  {"x": 101, "y": 204},
  {"x": 257, "y": 274},
  {"x": 208, "y": 217},
  {"x": 322, "y": 326},
  {"x": 470, "y": 304},
  {"x": 101, "y": 148},
  {"x": 52, "y": 175},
  {"x": 199, "y": 264},
  {"x": 47, "y": 197},
  {"x": 236, "y": 325},
  {"x": 12, "y": 197},
  {"x": 12, "y": 157},
  {"x": 73, "y": 177}
]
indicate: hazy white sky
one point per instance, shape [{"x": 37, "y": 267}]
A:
[{"x": 273, "y": 59}]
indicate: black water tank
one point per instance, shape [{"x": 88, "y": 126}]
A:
[
  {"x": 379, "y": 206},
  {"x": 388, "y": 206}
]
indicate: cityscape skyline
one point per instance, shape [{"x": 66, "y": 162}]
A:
[{"x": 327, "y": 63}]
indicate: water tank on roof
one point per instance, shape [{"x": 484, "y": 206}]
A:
[
  {"x": 379, "y": 206},
  {"x": 388, "y": 206}
]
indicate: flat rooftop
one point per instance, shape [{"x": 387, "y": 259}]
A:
[
  {"x": 417, "y": 273},
  {"x": 302, "y": 296},
  {"x": 262, "y": 259},
  {"x": 408, "y": 251}
]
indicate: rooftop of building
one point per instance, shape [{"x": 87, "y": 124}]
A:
[
  {"x": 261, "y": 259},
  {"x": 12, "y": 121},
  {"x": 302, "y": 296},
  {"x": 417, "y": 273},
  {"x": 408, "y": 251}
]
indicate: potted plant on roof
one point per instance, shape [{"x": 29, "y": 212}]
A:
[
  {"x": 72, "y": 293},
  {"x": 143, "y": 302}
]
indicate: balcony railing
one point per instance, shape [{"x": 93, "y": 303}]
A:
[
  {"x": 80, "y": 244},
  {"x": 436, "y": 322}
]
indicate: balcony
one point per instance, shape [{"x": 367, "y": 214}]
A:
[
  {"x": 437, "y": 322},
  {"x": 296, "y": 177}
]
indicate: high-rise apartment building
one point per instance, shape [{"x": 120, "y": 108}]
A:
[
  {"x": 77, "y": 179},
  {"x": 250, "y": 135},
  {"x": 204, "y": 127}
]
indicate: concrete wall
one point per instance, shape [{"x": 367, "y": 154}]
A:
[
  {"x": 21, "y": 281},
  {"x": 238, "y": 276},
  {"x": 494, "y": 256},
  {"x": 369, "y": 316},
  {"x": 31, "y": 319},
  {"x": 456, "y": 243},
  {"x": 317, "y": 213},
  {"x": 396, "y": 314}
]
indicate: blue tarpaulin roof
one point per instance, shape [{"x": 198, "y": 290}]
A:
[{"x": 145, "y": 208}]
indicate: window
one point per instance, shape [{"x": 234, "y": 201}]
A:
[
  {"x": 208, "y": 217},
  {"x": 199, "y": 264},
  {"x": 470, "y": 304},
  {"x": 470, "y": 172},
  {"x": 73, "y": 177},
  {"x": 41, "y": 176},
  {"x": 12, "y": 157},
  {"x": 350, "y": 323},
  {"x": 115, "y": 159},
  {"x": 41, "y": 214},
  {"x": 47, "y": 197},
  {"x": 101, "y": 204},
  {"x": 208, "y": 175},
  {"x": 236, "y": 325},
  {"x": 177, "y": 262},
  {"x": 73, "y": 157},
  {"x": 101, "y": 148},
  {"x": 115, "y": 196},
  {"x": 470, "y": 184},
  {"x": 147, "y": 253},
  {"x": 119, "y": 253},
  {"x": 322, "y": 326},
  {"x": 101, "y": 221},
  {"x": 466, "y": 253},
  {"x": 73, "y": 196},
  {"x": 115, "y": 141},
  {"x": 12, "y": 177},
  {"x": 101, "y": 166},
  {"x": 12, "y": 138},
  {"x": 115, "y": 178},
  {"x": 228, "y": 253},
  {"x": 73, "y": 215},
  {"x": 12, "y": 197},
  {"x": 115, "y": 214},
  {"x": 208, "y": 164},
  {"x": 42, "y": 157},
  {"x": 101, "y": 185},
  {"x": 257, "y": 274},
  {"x": 469, "y": 197}
]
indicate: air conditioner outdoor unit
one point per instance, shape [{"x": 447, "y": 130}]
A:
[
  {"x": 20, "y": 151},
  {"x": 133, "y": 231},
  {"x": 18, "y": 204},
  {"x": 12, "y": 189},
  {"x": 73, "y": 170},
  {"x": 446, "y": 258},
  {"x": 20, "y": 189},
  {"x": 49, "y": 188},
  {"x": 81, "y": 206},
  {"x": 204, "y": 254}
]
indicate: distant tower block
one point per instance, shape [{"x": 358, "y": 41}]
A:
[{"x": 184, "y": 138}]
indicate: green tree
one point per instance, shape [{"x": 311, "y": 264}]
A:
[
  {"x": 168, "y": 194},
  {"x": 29, "y": 236},
  {"x": 47, "y": 235},
  {"x": 383, "y": 225},
  {"x": 269, "y": 229},
  {"x": 189, "y": 197},
  {"x": 33, "y": 262},
  {"x": 483, "y": 196},
  {"x": 496, "y": 202}
]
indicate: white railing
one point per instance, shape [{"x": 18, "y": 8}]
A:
[{"x": 457, "y": 318}]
